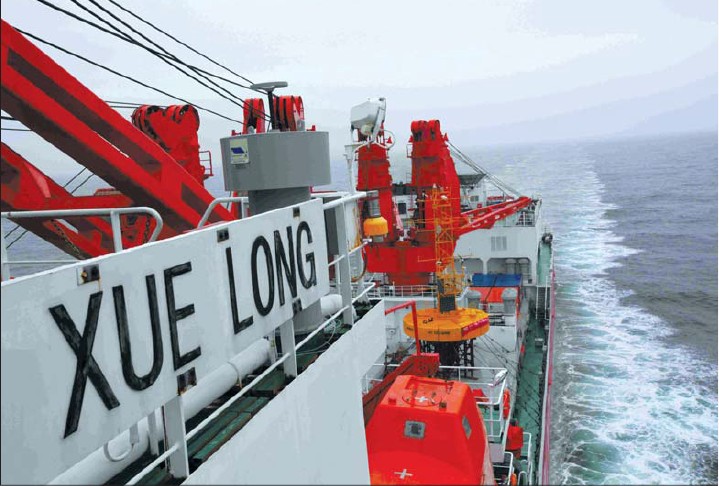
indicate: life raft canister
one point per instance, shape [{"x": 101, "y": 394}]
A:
[{"x": 507, "y": 401}]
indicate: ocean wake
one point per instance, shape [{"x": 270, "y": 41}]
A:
[{"x": 627, "y": 408}]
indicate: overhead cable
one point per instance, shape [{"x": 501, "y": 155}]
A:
[
  {"x": 178, "y": 41},
  {"x": 165, "y": 56},
  {"x": 129, "y": 78}
]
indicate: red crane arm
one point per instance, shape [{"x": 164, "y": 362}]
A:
[
  {"x": 47, "y": 99},
  {"x": 491, "y": 214},
  {"x": 25, "y": 187}
]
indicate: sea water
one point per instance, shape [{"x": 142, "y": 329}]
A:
[
  {"x": 635, "y": 365},
  {"x": 635, "y": 239}
]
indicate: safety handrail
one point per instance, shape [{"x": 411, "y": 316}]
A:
[
  {"x": 114, "y": 214},
  {"x": 213, "y": 205}
]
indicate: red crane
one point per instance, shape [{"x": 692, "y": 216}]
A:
[
  {"x": 411, "y": 260},
  {"x": 153, "y": 161}
]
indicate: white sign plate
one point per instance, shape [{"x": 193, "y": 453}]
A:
[
  {"x": 239, "y": 152},
  {"x": 82, "y": 363}
]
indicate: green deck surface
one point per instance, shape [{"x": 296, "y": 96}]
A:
[
  {"x": 225, "y": 426},
  {"x": 543, "y": 265},
  {"x": 528, "y": 406},
  {"x": 271, "y": 384}
]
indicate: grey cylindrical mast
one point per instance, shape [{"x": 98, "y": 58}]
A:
[{"x": 277, "y": 169}]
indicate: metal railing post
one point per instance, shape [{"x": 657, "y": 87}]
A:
[
  {"x": 175, "y": 435},
  {"x": 3, "y": 258},
  {"x": 116, "y": 230},
  {"x": 345, "y": 278}
]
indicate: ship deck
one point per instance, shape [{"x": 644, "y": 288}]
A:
[
  {"x": 544, "y": 265},
  {"x": 201, "y": 446},
  {"x": 528, "y": 407}
]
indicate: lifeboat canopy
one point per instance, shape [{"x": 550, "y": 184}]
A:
[{"x": 428, "y": 431}]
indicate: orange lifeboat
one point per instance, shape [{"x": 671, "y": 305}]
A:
[{"x": 428, "y": 431}]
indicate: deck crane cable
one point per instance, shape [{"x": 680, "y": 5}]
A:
[
  {"x": 150, "y": 24},
  {"x": 481, "y": 170},
  {"x": 165, "y": 55},
  {"x": 12, "y": 129},
  {"x": 126, "y": 38},
  {"x": 129, "y": 78}
]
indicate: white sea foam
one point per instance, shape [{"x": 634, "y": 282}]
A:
[{"x": 628, "y": 408}]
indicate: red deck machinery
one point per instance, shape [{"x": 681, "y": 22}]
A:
[
  {"x": 158, "y": 168},
  {"x": 411, "y": 260}
]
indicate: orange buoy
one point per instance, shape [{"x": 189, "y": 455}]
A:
[{"x": 460, "y": 324}]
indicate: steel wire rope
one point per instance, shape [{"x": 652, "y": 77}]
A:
[
  {"x": 179, "y": 41},
  {"x": 121, "y": 35},
  {"x": 129, "y": 78},
  {"x": 481, "y": 170},
  {"x": 173, "y": 56},
  {"x": 493, "y": 350},
  {"x": 165, "y": 56},
  {"x": 194, "y": 68},
  {"x": 335, "y": 326},
  {"x": 497, "y": 354}
]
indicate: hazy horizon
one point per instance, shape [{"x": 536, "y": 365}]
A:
[{"x": 493, "y": 72}]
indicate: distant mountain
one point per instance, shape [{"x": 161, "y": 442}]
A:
[
  {"x": 698, "y": 116},
  {"x": 691, "y": 107}
]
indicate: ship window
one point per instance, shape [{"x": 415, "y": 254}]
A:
[
  {"x": 499, "y": 243},
  {"x": 402, "y": 208},
  {"x": 467, "y": 427},
  {"x": 474, "y": 198},
  {"x": 414, "y": 430}
]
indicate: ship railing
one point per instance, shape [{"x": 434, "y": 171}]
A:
[
  {"x": 368, "y": 382},
  {"x": 208, "y": 169},
  {"x": 342, "y": 271},
  {"x": 241, "y": 200},
  {"x": 350, "y": 291},
  {"x": 523, "y": 478},
  {"x": 527, "y": 460},
  {"x": 181, "y": 442},
  {"x": 491, "y": 399},
  {"x": 114, "y": 214},
  {"x": 503, "y": 472},
  {"x": 402, "y": 291}
]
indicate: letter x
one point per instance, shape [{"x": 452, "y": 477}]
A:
[{"x": 86, "y": 365}]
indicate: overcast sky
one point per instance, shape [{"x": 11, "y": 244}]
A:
[{"x": 492, "y": 71}]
